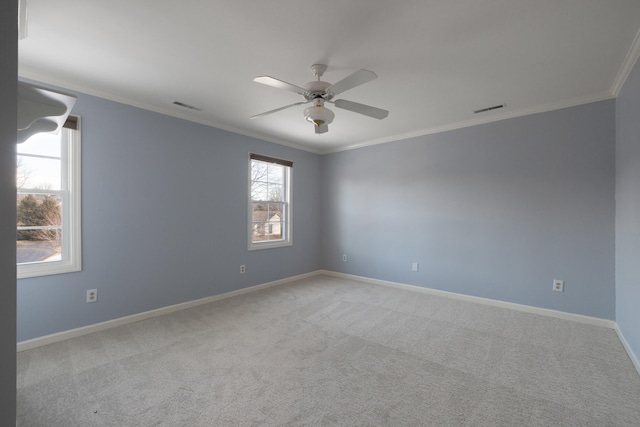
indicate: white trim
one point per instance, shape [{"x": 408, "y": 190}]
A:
[
  {"x": 482, "y": 120},
  {"x": 96, "y": 327},
  {"x": 627, "y": 347},
  {"x": 84, "y": 330},
  {"x": 629, "y": 61},
  {"x": 23, "y": 31},
  {"x": 75, "y": 191},
  {"x": 288, "y": 190},
  {"x": 71, "y": 192},
  {"x": 268, "y": 245},
  {"x": 595, "y": 321},
  {"x": 29, "y": 74},
  {"x": 73, "y": 86}
]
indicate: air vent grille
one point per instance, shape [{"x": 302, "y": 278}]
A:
[
  {"x": 183, "y": 105},
  {"x": 484, "y": 110}
]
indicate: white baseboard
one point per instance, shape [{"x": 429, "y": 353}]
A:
[
  {"x": 96, "y": 327},
  {"x": 72, "y": 333},
  {"x": 596, "y": 321},
  {"x": 627, "y": 347}
]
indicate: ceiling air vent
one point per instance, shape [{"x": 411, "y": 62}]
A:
[
  {"x": 484, "y": 110},
  {"x": 183, "y": 105}
]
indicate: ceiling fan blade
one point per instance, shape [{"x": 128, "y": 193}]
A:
[
  {"x": 279, "y": 109},
  {"x": 270, "y": 81},
  {"x": 358, "y": 78},
  {"x": 367, "y": 110},
  {"x": 322, "y": 128}
]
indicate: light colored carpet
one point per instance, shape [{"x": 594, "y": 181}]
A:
[{"x": 328, "y": 351}]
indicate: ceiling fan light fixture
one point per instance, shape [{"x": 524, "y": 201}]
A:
[{"x": 318, "y": 114}]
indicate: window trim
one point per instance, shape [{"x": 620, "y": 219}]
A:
[
  {"x": 288, "y": 227},
  {"x": 71, "y": 219}
]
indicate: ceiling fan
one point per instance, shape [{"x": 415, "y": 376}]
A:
[{"x": 318, "y": 92}]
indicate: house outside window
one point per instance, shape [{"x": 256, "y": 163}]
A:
[
  {"x": 48, "y": 203},
  {"x": 269, "y": 202}
]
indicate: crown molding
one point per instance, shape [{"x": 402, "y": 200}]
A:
[
  {"x": 28, "y": 74},
  {"x": 634, "y": 53},
  {"x": 629, "y": 61},
  {"x": 543, "y": 108}
]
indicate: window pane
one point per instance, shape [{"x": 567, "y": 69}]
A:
[
  {"x": 38, "y": 210},
  {"x": 258, "y": 171},
  {"x": 259, "y": 191},
  {"x": 276, "y": 174},
  {"x": 275, "y": 193},
  {"x": 267, "y": 221},
  {"x": 38, "y": 251},
  {"x": 269, "y": 204},
  {"x": 38, "y": 173},
  {"x": 259, "y": 215},
  {"x": 43, "y": 144},
  {"x": 258, "y": 208},
  {"x": 39, "y": 235},
  {"x": 275, "y": 220},
  {"x": 276, "y": 209},
  {"x": 259, "y": 187}
]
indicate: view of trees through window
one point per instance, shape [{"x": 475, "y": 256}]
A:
[
  {"x": 39, "y": 199},
  {"x": 268, "y": 200}
]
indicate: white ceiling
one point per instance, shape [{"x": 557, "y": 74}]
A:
[{"x": 436, "y": 60}]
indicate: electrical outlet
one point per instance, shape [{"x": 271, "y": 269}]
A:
[
  {"x": 415, "y": 266},
  {"x": 344, "y": 257},
  {"x": 242, "y": 269},
  {"x": 558, "y": 285},
  {"x": 92, "y": 295}
]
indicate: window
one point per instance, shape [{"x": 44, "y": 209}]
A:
[
  {"x": 269, "y": 202},
  {"x": 48, "y": 203}
]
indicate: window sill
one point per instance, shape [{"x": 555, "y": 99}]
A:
[
  {"x": 268, "y": 245},
  {"x": 24, "y": 271}
]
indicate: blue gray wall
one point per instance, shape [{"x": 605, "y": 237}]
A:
[
  {"x": 164, "y": 219},
  {"x": 628, "y": 210},
  {"x": 497, "y": 210},
  {"x": 8, "y": 120}
]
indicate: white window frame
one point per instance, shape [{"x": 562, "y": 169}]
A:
[
  {"x": 287, "y": 229},
  {"x": 71, "y": 256}
]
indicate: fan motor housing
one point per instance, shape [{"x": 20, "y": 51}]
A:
[{"x": 317, "y": 89}]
